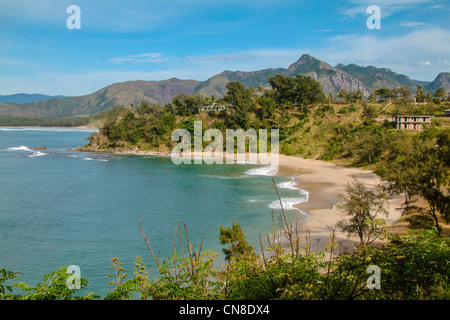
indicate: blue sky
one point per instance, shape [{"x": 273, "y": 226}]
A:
[{"x": 160, "y": 39}]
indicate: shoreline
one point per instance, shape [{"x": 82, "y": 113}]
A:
[
  {"x": 50, "y": 128},
  {"x": 323, "y": 181}
]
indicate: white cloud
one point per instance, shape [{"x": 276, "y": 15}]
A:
[
  {"x": 352, "y": 12},
  {"x": 217, "y": 57},
  {"x": 146, "y": 57},
  {"x": 414, "y": 24},
  {"x": 404, "y": 54}
]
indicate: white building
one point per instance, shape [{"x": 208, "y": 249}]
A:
[{"x": 411, "y": 122}]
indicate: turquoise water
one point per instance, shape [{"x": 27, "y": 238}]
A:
[{"x": 60, "y": 208}]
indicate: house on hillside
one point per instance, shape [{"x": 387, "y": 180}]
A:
[
  {"x": 213, "y": 107},
  {"x": 447, "y": 113},
  {"x": 411, "y": 122}
]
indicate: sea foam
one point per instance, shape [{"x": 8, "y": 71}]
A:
[
  {"x": 21, "y": 148},
  {"x": 262, "y": 171},
  {"x": 97, "y": 159},
  {"x": 26, "y": 149},
  {"x": 291, "y": 185},
  {"x": 288, "y": 203}
]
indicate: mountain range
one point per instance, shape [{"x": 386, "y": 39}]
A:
[{"x": 348, "y": 77}]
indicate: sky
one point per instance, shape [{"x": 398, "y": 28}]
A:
[{"x": 41, "y": 52}]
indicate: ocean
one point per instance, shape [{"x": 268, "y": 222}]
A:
[{"x": 60, "y": 207}]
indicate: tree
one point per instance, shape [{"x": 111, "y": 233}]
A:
[
  {"x": 402, "y": 94},
  {"x": 237, "y": 243},
  {"x": 268, "y": 107},
  {"x": 184, "y": 104},
  {"x": 429, "y": 97},
  {"x": 369, "y": 111},
  {"x": 283, "y": 88},
  {"x": 419, "y": 165},
  {"x": 356, "y": 95},
  {"x": 401, "y": 168},
  {"x": 434, "y": 174},
  {"x": 367, "y": 144},
  {"x": 299, "y": 90},
  {"x": 421, "y": 94},
  {"x": 383, "y": 93},
  {"x": 439, "y": 93},
  {"x": 342, "y": 94},
  {"x": 308, "y": 90},
  {"x": 241, "y": 99},
  {"x": 363, "y": 206}
]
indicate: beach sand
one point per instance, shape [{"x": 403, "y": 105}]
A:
[{"x": 325, "y": 181}]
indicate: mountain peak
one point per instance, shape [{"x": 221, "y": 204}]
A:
[
  {"x": 443, "y": 75},
  {"x": 306, "y": 58},
  {"x": 306, "y": 64},
  {"x": 442, "y": 80}
]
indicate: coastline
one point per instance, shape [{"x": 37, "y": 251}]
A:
[
  {"x": 81, "y": 128},
  {"x": 324, "y": 181}
]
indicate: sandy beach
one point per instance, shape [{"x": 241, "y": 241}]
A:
[{"x": 325, "y": 181}]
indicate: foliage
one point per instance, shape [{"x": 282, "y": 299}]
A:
[
  {"x": 350, "y": 96},
  {"x": 383, "y": 93},
  {"x": 415, "y": 266},
  {"x": 400, "y": 170},
  {"x": 435, "y": 174},
  {"x": 240, "y": 98},
  {"x": 363, "y": 206},
  {"x": 238, "y": 246},
  {"x": 186, "y": 105},
  {"x": 299, "y": 90},
  {"x": 401, "y": 94},
  {"x": 366, "y": 144},
  {"x": 419, "y": 164},
  {"x": 151, "y": 124},
  {"x": 53, "y": 287},
  {"x": 185, "y": 278},
  {"x": 6, "y": 275},
  {"x": 421, "y": 94}
]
